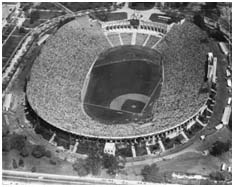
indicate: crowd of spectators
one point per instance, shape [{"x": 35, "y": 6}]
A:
[
  {"x": 114, "y": 39},
  {"x": 184, "y": 59},
  {"x": 58, "y": 74},
  {"x": 152, "y": 41},
  {"x": 126, "y": 38},
  {"x": 140, "y": 38}
]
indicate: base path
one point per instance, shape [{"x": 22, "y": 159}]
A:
[{"x": 118, "y": 102}]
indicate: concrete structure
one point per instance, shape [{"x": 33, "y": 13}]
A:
[
  {"x": 110, "y": 148},
  {"x": 52, "y": 138},
  {"x": 147, "y": 148},
  {"x": 214, "y": 69},
  {"x": 8, "y": 9},
  {"x": 75, "y": 146},
  {"x": 223, "y": 167},
  {"x": 202, "y": 137},
  {"x": 229, "y": 101},
  {"x": 229, "y": 82},
  {"x": 226, "y": 115},
  {"x": 133, "y": 151},
  {"x": 185, "y": 136},
  {"x": 218, "y": 127},
  {"x": 144, "y": 27},
  {"x": 7, "y": 102},
  {"x": 161, "y": 145},
  {"x": 43, "y": 39},
  {"x": 224, "y": 48}
]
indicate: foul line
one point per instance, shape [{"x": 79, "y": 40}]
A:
[
  {"x": 99, "y": 106},
  {"x": 156, "y": 87}
]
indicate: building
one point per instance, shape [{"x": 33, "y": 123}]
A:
[
  {"x": 8, "y": 10},
  {"x": 7, "y": 102},
  {"x": 110, "y": 148}
]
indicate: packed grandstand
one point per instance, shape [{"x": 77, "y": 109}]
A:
[{"x": 59, "y": 72}]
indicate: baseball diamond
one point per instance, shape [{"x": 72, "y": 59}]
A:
[{"x": 118, "y": 75}]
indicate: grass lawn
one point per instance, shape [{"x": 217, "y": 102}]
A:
[
  {"x": 193, "y": 130},
  {"x": 49, "y": 15},
  {"x": 191, "y": 163},
  {"x": 42, "y": 165},
  {"x": 17, "y": 32},
  {"x": 47, "y": 6},
  {"x": 77, "y": 6},
  {"x": 124, "y": 152},
  {"x": 7, "y": 30},
  {"x": 141, "y": 6},
  {"x": 170, "y": 143},
  {"x": 34, "y": 24},
  {"x": 10, "y": 45},
  {"x": 117, "y": 16},
  {"x": 140, "y": 150},
  {"x": 4, "y": 61}
]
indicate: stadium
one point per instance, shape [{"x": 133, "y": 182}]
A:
[{"x": 122, "y": 81}]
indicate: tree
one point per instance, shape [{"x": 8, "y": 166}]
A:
[
  {"x": 34, "y": 169},
  {"x": 48, "y": 153},
  {"x": 81, "y": 167},
  {"x": 219, "y": 148},
  {"x": 94, "y": 161},
  {"x": 151, "y": 173},
  {"x": 217, "y": 176},
  {"x": 21, "y": 162},
  {"x": 210, "y": 10},
  {"x": 5, "y": 128},
  {"x": 53, "y": 162},
  {"x": 14, "y": 164},
  {"x": 22, "y": 30},
  {"x": 111, "y": 164},
  {"x": 34, "y": 16},
  {"x": 17, "y": 142},
  {"x": 38, "y": 151},
  {"x": 100, "y": 16},
  {"x": 6, "y": 147},
  {"x": 210, "y": 5},
  {"x": 199, "y": 20},
  {"x": 24, "y": 152}
]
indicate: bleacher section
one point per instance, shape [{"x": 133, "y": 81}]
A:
[
  {"x": 140, "y": 38},
  {"x": 114, "y": 39},
  {"x": 152, "y": 41},
  {"x": 126, "y": 38}
]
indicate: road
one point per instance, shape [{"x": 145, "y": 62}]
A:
[
  {"x": 19, "y": 177},
  {"x": 64, "y": 8}
]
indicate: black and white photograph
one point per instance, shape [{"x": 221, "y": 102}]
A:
[{"x": 116, "y": 93}]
